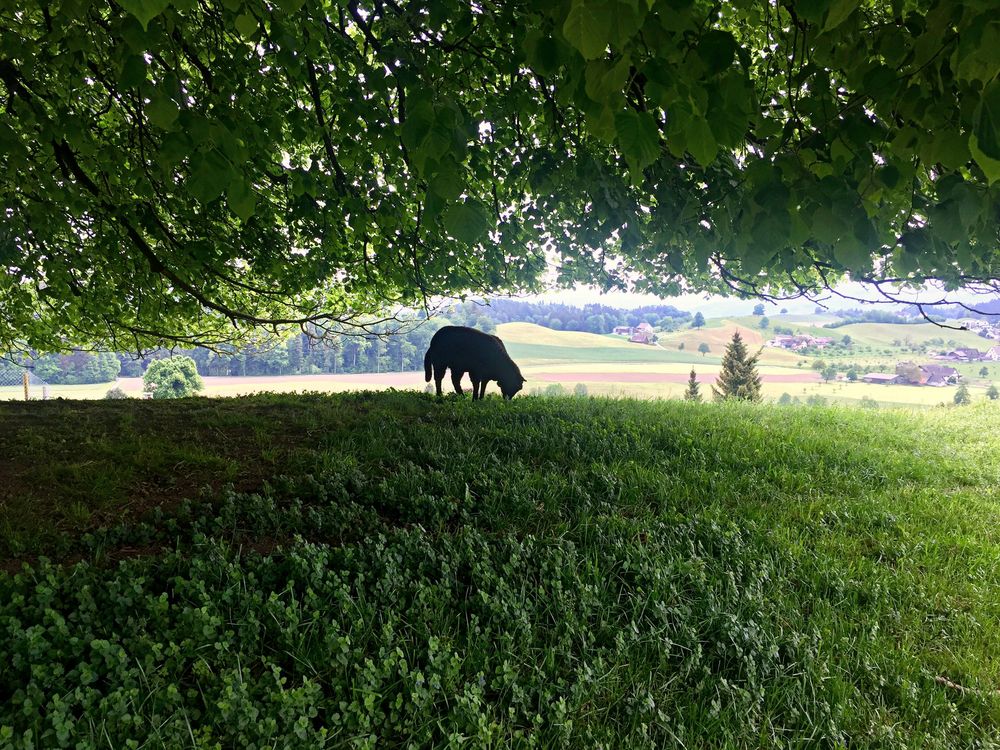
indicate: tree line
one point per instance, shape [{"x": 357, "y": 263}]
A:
[{"x": 379, "y": 351}]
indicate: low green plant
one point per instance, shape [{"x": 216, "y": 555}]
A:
[{"x": 539, "y": 573}]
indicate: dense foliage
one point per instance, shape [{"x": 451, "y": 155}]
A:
[
  {"x": 591, "y": 318},
  {"x": 77, "y": 367},
  {"x": 174, "y": 377},
  {"x": 175, "y": 170},
  {"x": 544, "y": 573},
  {"x": 849, "y": 317}
]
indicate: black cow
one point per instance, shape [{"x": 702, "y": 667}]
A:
[{"x": 466, "y": 350}]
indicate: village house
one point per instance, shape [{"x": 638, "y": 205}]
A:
[
  {"x": 993, "y": 354},
  {"x": 643, "y": 334},
  {"x": 799, "y": 341},
  {"x": 643, "y": 328},
  {"x": 936, "y": 375},
  {"x": 986, "y": 329},
  {"x": 961, "y": 354},
  {"x": 880, "y": 378}
]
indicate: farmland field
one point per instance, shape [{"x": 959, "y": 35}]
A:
[{"x": 390, "y": 570}]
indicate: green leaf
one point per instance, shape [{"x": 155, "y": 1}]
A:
[
  {"x": 840, "y": 11},
  {"x": 977, "y": 57},
  {"x": 246, "y": 24},
  {"x": 700, "y": 141},
  {"x": 211, "y": 173},
  {"x": 827, "y": 226},
  {"x": 241, "y": 197},
  {"x": 625, "y": 19},
  {"x": 604, "y": 80},
  {"x": 448, "y": 181},
  {"x": 812, "y": 10},
  {"x": 468, "y": 222},
  {"x": 162, "y": 111},
  {"x": 987, "y": 117},
  {"x": 990, "y": 167},
  {"x": 602, "y": 125},
  {"x": 541, "y": 52},
  {"x": 717, "y": 49},
  {"x": 145, "y": 10},
  {"x": 419, "y": 118},
  {"x": 587, "y": 27},
  {"x": 133, "y": 72},
  {"x": 173, "y": 148},
  {"x": 948, "y": 147},
  {"x": 639, "y": 138}
]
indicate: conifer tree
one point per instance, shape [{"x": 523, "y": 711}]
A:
[
  {"x": 739, "y": 378},
  {"x": 692, "y": 393}
]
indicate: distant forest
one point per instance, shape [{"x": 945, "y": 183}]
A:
[
  {"x": 985, "y": 310},
  {"x": 301, "y": 354}
]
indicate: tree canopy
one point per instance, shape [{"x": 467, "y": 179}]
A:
[{"x": 172, "y": 169}]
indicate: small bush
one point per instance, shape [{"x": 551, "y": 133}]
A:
[
  {"x": 962, "y": 397},
  {"x": 174, "y": 377},
  {"x": 115, "y": 394}
]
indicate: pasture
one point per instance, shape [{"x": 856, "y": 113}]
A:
[{"x": 389, "y": 570}]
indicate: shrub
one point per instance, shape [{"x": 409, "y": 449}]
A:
[
  {"x": 992, "y": 393},
  {"x": 115, "y": 394},
  {"x": 580, "y": 389},
  {"x": 175, "y": 377}
]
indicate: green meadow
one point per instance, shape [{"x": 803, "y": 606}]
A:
[{"x": 390, "y": 570}]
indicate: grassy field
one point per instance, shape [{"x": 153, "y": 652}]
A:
[{"x": 388, "y": 570}]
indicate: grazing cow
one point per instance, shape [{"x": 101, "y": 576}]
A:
[{"x": 466, "y": 350}]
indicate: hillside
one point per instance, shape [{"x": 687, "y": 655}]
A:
[{"x": 388, "y": 570}]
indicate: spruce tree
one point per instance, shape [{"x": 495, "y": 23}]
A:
[
  {"x": 692, "y": 393},
  {"x": 739, "y": 379}
]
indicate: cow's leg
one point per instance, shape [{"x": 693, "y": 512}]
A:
[
  {"x": 477, "y": 389},
  {"x": 438, "y": 377},
  {"x": 482, "y": 389},
  {"x": 456, "y": 380}
]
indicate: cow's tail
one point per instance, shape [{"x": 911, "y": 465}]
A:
[{"x": 427, "y": 366}]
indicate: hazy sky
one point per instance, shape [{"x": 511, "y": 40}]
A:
[{"x": 717, "y": 306}]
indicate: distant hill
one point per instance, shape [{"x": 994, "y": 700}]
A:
[{"x": 591, "y": 318}]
